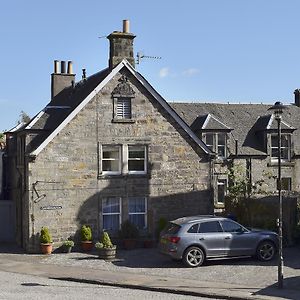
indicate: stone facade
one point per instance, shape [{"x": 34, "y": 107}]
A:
[{"x": 65, "y": 187}]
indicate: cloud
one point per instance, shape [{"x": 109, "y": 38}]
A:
[
  {"x": 190, "y": 72},
  {"x": 164, "y": 72}
]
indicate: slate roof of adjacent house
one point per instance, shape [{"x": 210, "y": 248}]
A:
[
  {"x": 65, "y": 106},
  {"x": 247, "y": 121}
]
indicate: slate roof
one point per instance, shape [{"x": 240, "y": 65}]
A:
[
  {"x": 64, "y": 106},
  {"x": 59, "y": 108},
  {"x": 247, "y": 122}
]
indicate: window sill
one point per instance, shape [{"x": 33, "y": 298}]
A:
[
  {"x": 123, "y": 121},
  {"x": 283, "y": 164},
  {"x": 122, "y": 176},
  {"x": 219, "y": 205}
]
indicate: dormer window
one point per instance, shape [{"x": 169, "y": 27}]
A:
[
  {"x": 285, "y": 147},
  {"x": 216, "y": 142}
]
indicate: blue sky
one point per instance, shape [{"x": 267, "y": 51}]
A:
[{"x": 212, "y": 50}]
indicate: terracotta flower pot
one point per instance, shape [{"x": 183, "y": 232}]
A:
[
  {"x": 130, "y": 244},
  {"x": 46, "y": 248},
  {"x": 87, "y": 245}
]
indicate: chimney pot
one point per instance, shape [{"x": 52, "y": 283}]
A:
[
  {"x": 70, "y": 67},
  {"x": 126, "y": 26},
  {"x": 63, "y": 67},
  {"x": 56, "y": 66}
]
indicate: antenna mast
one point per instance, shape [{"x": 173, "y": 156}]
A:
[{"x": 140, "y": 55}]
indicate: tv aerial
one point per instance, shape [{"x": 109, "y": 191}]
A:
[{"x": 141, "y": 56}]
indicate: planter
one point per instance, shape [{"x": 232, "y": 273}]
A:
[
  {"x": 107, "y": 253},
  {"x": 46, "y": 248},
  {"x": 130, "y": 244},
  {"x": 87, "y": 245}
]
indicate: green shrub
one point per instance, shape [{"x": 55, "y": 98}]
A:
[
  {"x": 68, "y": 243},
  {"x": 45, "y": 237},
  {"x": 105, "y": 241},
  {"x": 128, "y": 230},
  {"x": 86, "y": 233}
]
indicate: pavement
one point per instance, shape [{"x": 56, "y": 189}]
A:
[{"x": 145, "y": 269}]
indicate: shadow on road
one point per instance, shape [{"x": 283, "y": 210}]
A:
[{"x": 291, "y": 287}]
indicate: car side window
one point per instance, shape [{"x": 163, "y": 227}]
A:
[
  {"x": 194, "y": 228},
  {"x": 229, "y": 226},
  {"x": 212, "y": 226}
]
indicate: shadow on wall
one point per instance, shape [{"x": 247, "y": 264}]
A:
[{"x": 172, "y": 203}]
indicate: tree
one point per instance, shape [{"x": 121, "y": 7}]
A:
[
  {"x": 241, "y": 189},
  {"x": 23, "y": 117}
]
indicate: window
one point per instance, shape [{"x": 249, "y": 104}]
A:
[
  {"x": 111, "y": 211},
  {"x": 212, "y": 226},
  {"x": 285, "y": 147},
  {"x": 123, "y": 159},
  {"x": 221, "y": 191},
  {"x": 137, "y": 208},
  {"x": 193, "y": 229},
  {"x": 216, "y": 142},
  {"x": 124, "y": 108},
  {"x": 286, "y": 183},
  {"x": 137, "y": 159},
  {"x": 229, "y": 226},
  {"x": 111, "y": 159}
]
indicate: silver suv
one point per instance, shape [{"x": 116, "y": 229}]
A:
[{"x": 195, "y": 239}]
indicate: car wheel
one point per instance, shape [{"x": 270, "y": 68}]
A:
[
  {"x": 193, "y": 257},
  {"x": 266, "y": 251}
]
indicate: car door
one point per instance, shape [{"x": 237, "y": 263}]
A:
[
  {"x": 238, "y": 240},
  {"x": 212, "y": 238}
]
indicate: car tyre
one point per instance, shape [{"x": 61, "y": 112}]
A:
[
  {"x": 193, "y": 257},
  {"x": 266, "y": 251}
]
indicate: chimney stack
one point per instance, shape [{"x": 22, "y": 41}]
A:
[
  {"x": 297, "y": 97},
  {"x": 121, "y": 46},
  {"x": 60, "y": 79}
]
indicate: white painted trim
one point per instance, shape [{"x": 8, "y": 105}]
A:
[
  {"x": 206, "y": 121},
  {"x": 165, "y": 105},
  {"x": 270, "y": 122},
  {"x": 35, "y": 119},
  {"x": 77, "y": 109}
]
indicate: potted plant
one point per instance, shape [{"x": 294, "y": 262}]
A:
[
  {"x": 105, "y": 248},
  {"x": 129, "y": 234},
  {"x": 86, "y": 238},
  {"x": 68, "y": 245},
  {"x": 45, "y": 241}
]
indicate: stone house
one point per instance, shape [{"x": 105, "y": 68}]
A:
[
  {"x": 105, "y": 149},
  {"x": 109, "y": 148}
]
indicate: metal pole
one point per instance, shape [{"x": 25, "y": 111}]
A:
[{"x": 280, "y": 257}]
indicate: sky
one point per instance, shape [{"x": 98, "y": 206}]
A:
[{"x": 236, "y": 51}]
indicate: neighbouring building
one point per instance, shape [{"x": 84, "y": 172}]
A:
[{"x": 104, "y": 149}]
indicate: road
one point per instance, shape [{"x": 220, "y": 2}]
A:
[{"x": 19, "y": 286}]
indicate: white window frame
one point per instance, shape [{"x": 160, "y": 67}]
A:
[
  {"x": 119, "y": 147},
  {"x": 288, "y": 147},
  {"x": 288, "y": 182},
  {"x": 221, "y": 182},
  {"x": 215, "y": 146},
  {"x": 112, "y": 214},
  {"x": 140, "y": 213},
  {"x": 137, "y": 159}
]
